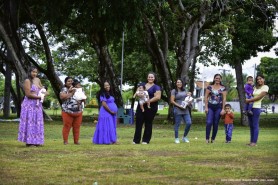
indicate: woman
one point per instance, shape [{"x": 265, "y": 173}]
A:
[
  {"x": 177, "y": 96},
  {"x": 260, "y": 90},
  {"x": 106, "y": 132},
  {"x": 71, "y": 112},
  {"x": 148, "y": 115},
  {"x": 215, "y": 100},
  {"x": 31, "y": 126}
]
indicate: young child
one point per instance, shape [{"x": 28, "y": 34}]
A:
[
  {"x": 187, "y": 99},
  {"x": 79, "y": 94},
  {"x": 248, "y": 87},
  {"x": 42, "y": 93},
  {"x": 228, "y": 120},
  {"x": 143, "y": 96}
]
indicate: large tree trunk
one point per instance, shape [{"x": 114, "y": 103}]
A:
[
  {"x": 107, "y": 71},
  {"x": 240, "y": 89},
  {"x": 7, "y": 90}
]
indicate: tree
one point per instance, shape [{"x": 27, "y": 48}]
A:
[{"x": 269, "y": 67}]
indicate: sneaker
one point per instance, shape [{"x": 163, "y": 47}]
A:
[
  {"x": 228, "y": 142},
  {"x": 212, "y": 141},
  {"x": 184, "y": 139},
  {"x": 177, "y": 140},
  {"x": 207, "y": 141},
  {"x": 244, "y": 112},
  {"x": 144, "y": 143},
  {"x": 133, "y": 143}
]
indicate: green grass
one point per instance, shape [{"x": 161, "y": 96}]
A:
[{"x": 160, "y": 162}]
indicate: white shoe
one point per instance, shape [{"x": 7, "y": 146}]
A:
[
  {"x": 185, "y": 140},
  {"x": 144, "y": 143},
  {"x": 133, "y": 143},
  {"x": 177, "y": 140}
]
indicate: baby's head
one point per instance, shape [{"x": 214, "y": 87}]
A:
[
  {"x": 44, "y": 87},
  {"x": 141, "y": 87},
  {"x": 188, "y": 93},
  {"x": 250, "y": 80},
  {"x": 76, "y": 83}
]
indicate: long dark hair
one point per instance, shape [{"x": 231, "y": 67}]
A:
[
  {"x": 182, "y": 87},
  {"x": 155, "y": 77},
  {"x": 259, "y": 75},
  {"x": 66, "y": 79},
  {"x": 30, "y": 73},
  {"x": 213, "y": 82},
  {"x": 103, "y": 92}
]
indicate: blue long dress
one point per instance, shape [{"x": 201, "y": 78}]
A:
[{"x": 106, "y": 132}]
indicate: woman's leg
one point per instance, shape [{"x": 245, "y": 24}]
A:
[
  {"x": 250, "y": 121},
  {"x": 76, "y": 127},
  {"x": 209, "y": 121},
  {"x": 177, "y": 124},
  {"x": 67, "y": 122},
  {"x": 187, "y": 120},
  {"x": 215, "y": 123},
  {"x": 138, "y": 126},
  {"x": 256, "y": 118},
  {"x": 149, "y": 116}
]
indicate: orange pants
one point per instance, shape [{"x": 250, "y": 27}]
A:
[{"x": 71, "y": 120}]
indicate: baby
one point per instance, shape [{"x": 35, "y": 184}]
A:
[
  {"x": 42, "y": 93},
  {"x": 186, "y": 100},
  {"x": 79, "y": 94},
  {"x": 143, "y": 96}
]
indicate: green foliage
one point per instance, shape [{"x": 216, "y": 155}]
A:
[{"x": 268, "y": 67}]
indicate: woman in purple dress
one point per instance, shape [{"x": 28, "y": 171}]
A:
[
  {"x": 31, "y": 126},
  {"x": 106, "y": 132}
]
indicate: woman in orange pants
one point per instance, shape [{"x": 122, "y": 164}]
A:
[{"x": 71, "y": 112}]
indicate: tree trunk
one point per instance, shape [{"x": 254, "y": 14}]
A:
[
  {"x": 106, "y": 65},
  {"x": 7, "y": 90},
  {"x": 240, "y": 89}
]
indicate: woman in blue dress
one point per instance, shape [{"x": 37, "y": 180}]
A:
[{"x": 106, "y": 132}]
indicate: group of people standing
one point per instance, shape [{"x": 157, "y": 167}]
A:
[{"x": 31, "y": 126}]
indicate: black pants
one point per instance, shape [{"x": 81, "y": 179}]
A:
[{"x": 144, "y": 117}]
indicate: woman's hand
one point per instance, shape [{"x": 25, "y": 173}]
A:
[
  {"x": 206, "y": 110},
  {"x": 222, "y": 112},
  {"x": 248, "y": 101}
]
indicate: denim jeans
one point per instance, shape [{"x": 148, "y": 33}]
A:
[
  {"x": 213, "y": 118},
  {"x": 187, "y": 120},
  {"x": 254, "y": 124},
  {"x": 248, "y": 106},
  {"x": 229, "y": 131}
]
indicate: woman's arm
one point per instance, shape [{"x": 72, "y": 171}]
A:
[
  {"x": 224, "y": 97},
  {"x": 67, "y": 95},
  {"x": 27, "y": 90},
  {"x": 206, "y": 100},
  {"x": 172, "y": 100},
  {"x": 104, "y": 104},
  {"x": 157, "y": 96},
  {"x": 260, "y": 96}
]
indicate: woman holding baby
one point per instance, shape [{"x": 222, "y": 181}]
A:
[
  {"x": 71, "y": 111},
  {"x": 31, "y": 125},
  {"x": 178, "y": 95}
]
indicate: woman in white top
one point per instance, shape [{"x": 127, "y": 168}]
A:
[{"x": 260, "y": 90}]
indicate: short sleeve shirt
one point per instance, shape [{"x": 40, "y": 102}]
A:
[
  {"x": 70, "y": 105},
  {"x": 264, "y": 88},
  {"x": 216, "y": 95},
  {"x": 152, "y": 90},
  {"x": 179, "y": 97}
]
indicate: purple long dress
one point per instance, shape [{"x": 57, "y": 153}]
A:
[
  {"x": 31, "y": 125},
  {"x": 106, "y": 132}
]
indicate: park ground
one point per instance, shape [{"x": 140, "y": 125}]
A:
[{"x": 160, "y": 162}]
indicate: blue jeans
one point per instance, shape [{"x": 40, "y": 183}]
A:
[
  {"x": 187, "y": 120},
  {"x": 248, "y": 106},
  {"x": 229, "y": 131},
  {"x": 213, "y": 118},
  {"x": 254, "y": 124}
]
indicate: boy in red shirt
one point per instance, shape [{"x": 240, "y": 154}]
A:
[{"x": 228, "y": 120}]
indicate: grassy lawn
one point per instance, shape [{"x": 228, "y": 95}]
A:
[{"x": 160, "y": 162}]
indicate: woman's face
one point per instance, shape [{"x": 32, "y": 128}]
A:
[
  {"x": 217, "y": 79},
  {"x": 106, "y": 86},
  {"x": 260, "y": 80},
  {"x": 34, "y": 73},
  {"x": 151, "y": 78},
  {"x": 179, "y": 84},
  {"x": 69, "y": 82}
]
